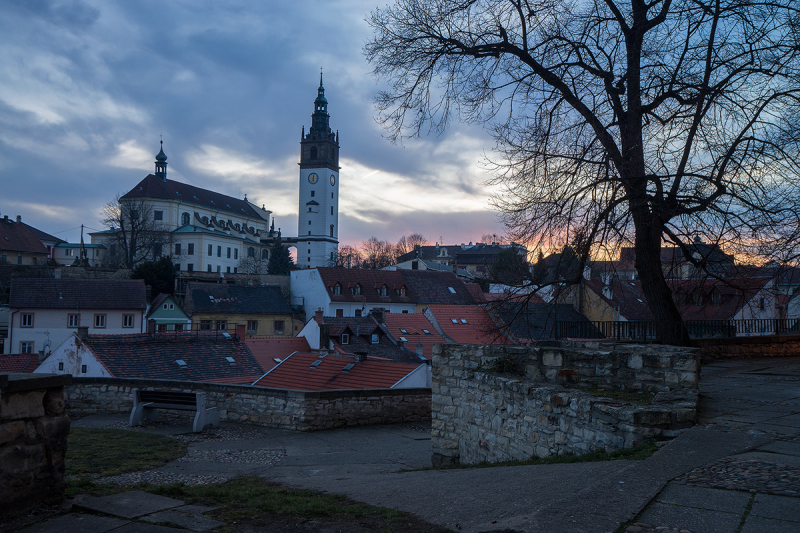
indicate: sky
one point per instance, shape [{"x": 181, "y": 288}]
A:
[{"x": 87, "y": 89}]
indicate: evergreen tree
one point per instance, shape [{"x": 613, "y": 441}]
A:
[
  {"x": 280, "y": 262},
  {"x": 160, "y": 275}
]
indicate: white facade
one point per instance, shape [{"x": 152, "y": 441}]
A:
[
  {"x": 74, "y": 358},
  {"x": 308, "y": 289},
  {"x": 35, "y": 329}
]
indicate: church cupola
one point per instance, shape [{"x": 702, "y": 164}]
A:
[
  {"x": 161, "y": 164},
  {"x": 320, "y": 146}
]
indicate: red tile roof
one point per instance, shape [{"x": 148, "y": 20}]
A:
[
  {"x": 16, "y": 237},
  {"x": 267, "y": 349},
  {"x": 78, "y": 293},
  {"x": 152, "y": 187},
  {"x": 154, "y": 357},
  {"x": 410, "y": 326},
  {"x": 296, "y": 373},
  {"x": 472, "y": 325},
  {"x": 734, "y": 295},
  {"x": 626, "y": 295},
  {"x": 22, "y": 362}
]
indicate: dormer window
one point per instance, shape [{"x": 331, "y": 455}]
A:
[
  {"x": 375, "y": 338},
  {"x": 697, "y": 298},
  {"x": 345, "y": 338},
  {"x": 716, "y": 298},
  {"x": 357, "y": 290},
  {"x": 402, "y": 291},
  {"x": 337, "y": 289},
  {"x": 383, "y": 291}
]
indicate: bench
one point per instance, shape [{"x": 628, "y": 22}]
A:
[{"x": 147, "y": 402}]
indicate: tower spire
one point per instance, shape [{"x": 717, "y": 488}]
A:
[{"x": 161, "y": 163}]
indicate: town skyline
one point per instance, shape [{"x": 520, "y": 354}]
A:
[{"x": 91, "y": 89}]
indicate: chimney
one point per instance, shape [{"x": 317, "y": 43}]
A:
[
  {"x": 19, "y": 219},
  {"x": 420, "y": 349},
  {"x": 400, "y": 344},
  {"x": 379, "y": 313},
  {"x": 324, "y": 336},
  {"x": 240, "y": 331},
  {"x": 318, "y": 316},
  {"x": 83, "y": 332}
]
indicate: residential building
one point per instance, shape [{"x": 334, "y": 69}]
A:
[
  {"x": 425, "y": 264},
  {"x": 675, "y": 264},
  {"x": 438, "y": 253},
  {"x": 48, "y": 240},
  {"x": 467, "y": 324},
  {"x": 726, "y": 299},
  {"x": 165, "y": 314},
  {"x": 607, "y": 300},
  {"x": 44, "y": 312},
  {"x": 208, "y": 357},
  {"x": 318, "y": 371},
  {"x": 538, "y": 321},
  {"x": 20, "y": 246},
  {"x": 478, "y": 259},
  {"x": 269, "y": 351},
  {"x": 414, "y": 331},
  {"x": 218, "y": 306},
  {"x": 19, "y": 363},
  {"x": 69, "y": 253}
]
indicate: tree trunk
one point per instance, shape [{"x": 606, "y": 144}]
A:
[{"x": 647, "y": 246}]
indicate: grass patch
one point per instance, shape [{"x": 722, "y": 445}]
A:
[
  {"x": 638, "y": 453},
  {"x": 640, "y": 397},
  {"x": 108, "y": 452}
]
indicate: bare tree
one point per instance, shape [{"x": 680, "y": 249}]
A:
[
  {"x": 348, "y": 257},
  {"x": 377, "y": 254},
  {"x": 617, "y": 122},
  {"x": 407, "y": 244},
  {"x": 134, "y": 235}
]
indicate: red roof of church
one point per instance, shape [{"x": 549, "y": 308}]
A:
[{"x": 332, "y": 372}]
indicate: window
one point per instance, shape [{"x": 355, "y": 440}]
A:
[
  {"x": 312, "y": 194},
  {"x": 189, "y": 267},
  {"x": 697, "y": 298},
  {"x": 340, "y": 313},
  {"x": 309, "y": 232},
  {"x": 210, "y": 250},
  {"x": 208, "y": 268},
  {"x": 309, "y": 222},
  {"x": 264, "y": 254},
  {"x": 345, "y": 338},
  {"x": 331, "y": 230},
  {"x": 220, "y": 324},
  {"x": 337, "y": 289},
  {"x": 762, "y": 304},
  {"x": 158, "y": 215},
  {"x": 177, "y": 267},
  {"x": 331, "y": 210},
  {"x": 162, "y": 327},
  {"x": 357, "y": 313},
  {"x": 219, "y": 251},
  {"x": 178, "y": 327},
  {"x": 19, "y": 259},
  {"x": 454, "y": 320},
  {"x": 236, "y": 253},
  {"x": 61, "y": 365},
  {"x": 157, "y": 250},
  {"x": 278, "y": 327},
  {"x": 69, "y": 252},
  {"x": 73, "y": 321},
  {"x": 235, "y": 270},
  {"x": 375, "y": 338},
  {"x": 26, "y": 320},
  {"x": 716, "y": 298},
  {"x": 402, "y": 291},
  {"x": 252, "y": 326},
  {"x": 219, "y": 269},
  {"x": 190, "y": 249},
  {"x": 186, "y": 219},
  {"x": 251, "y": 252},
  {"x": 313, "y": 152},
  {"x": 177, "y": 248},
  {"x": 205, "y": 324},
  {"x": 383, "y": 291},
  {"x": 99, "y": 321},
  {"x": 127, "y": 321},
  {"x": 83, "y": 369},
  {"x": 357, "y": 290},
  {"x": 229, "y": 270},
  {"x": 426, "y": 332},
  {"x": 309, "y": 209},
  {"x": 229, "y": 252},
  {"x": 26, "y": 347}
]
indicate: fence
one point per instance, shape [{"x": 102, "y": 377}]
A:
[{"x": 646, "y": 331}]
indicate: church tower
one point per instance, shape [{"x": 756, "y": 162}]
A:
[{"x": 318, "y": 214}]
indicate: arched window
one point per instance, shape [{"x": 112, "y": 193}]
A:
[
  {"x": 337, "y": 289},
  {"x": 697, "y": 298},
  {"x": 357, "y": 290},
  {"x": 264, "y": 253},
  {"x": 186, "y": 219},
  {"x": 251, "y": 252},
  {"x": 383, "y": 291},
  {"x": 313, "y": 152}
]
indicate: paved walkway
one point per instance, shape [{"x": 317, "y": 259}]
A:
[{"x": 738, "y": 470}]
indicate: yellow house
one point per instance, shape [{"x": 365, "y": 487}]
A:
[{"x": 263, "y": 310}]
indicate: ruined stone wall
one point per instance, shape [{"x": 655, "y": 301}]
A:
[
  {"x": 33, "y": 441},
  {"x": 748, "y": 347},
  {"x": 479, "y": 415},
  {"x": 277, "y": 408}
]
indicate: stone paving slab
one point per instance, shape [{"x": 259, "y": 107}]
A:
[
  {"x": 127, "y": 504},
  {"x": 703, "y": 498},
  {"x": 142, "y": 527},
  {"x": 76, "y": 523},
  {"x": 777, "y": 507},
  {"x": 196, "y": 509},
  {"x": 691, "y": 518},
  {"x": 193, "y": 522},
  {"x": 782, "y": 447},
  {"x": 756, "y": 524},
  {"x": 770, "y": 457}
]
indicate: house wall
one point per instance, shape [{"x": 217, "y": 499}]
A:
[
  {"x": 266, "y": 323},
  {"x": 13, "y": 257},
  {"x": 70, "y": 357},
  {"x": 52, "y": 325},
  {"x": 168, "y": 316},
  {"x": 483, "y": 416},
  {"x": 276, "y": 408}
]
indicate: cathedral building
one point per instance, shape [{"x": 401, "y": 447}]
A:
[{"x": 207, "y": 231}]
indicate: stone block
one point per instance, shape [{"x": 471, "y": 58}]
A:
[
  {"x": 54, "y": 402},
  {"x": 11, "y": 431},
  {"x": 56, "y": 427},
  {"x": 635, "y": 361},
  {"x": 15, "y": 406},
  {"x": 551, "y": 358},
  {"x": 22, "y": 459}
]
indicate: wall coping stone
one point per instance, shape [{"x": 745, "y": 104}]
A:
[{"x": 21, "y": 382}]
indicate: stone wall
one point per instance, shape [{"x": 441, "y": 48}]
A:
[
  {"x": 748, "y": 347},
  {"x": 33, "y": 441},
  {"x": 276, "y": 408},
  {"x": 479, "y": 415}
]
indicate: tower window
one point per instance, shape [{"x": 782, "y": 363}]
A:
[
  {"x": 309, "y": 222},
  {"x": 190, "y": 249},
  {"x": 185, "y": 219},
  {"x": 264, "y": 253},
  {"x": 219, "y": 251},
  {"x": 331, "y": 210},
  {"x": 331, "y": 230},
  {"x": 313, "y": 152},
  {"x": 312, "y": 194},
  {"x": 158, "y": 215}
]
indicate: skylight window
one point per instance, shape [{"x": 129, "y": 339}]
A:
[
  {"x": 316, "y": 363},
  {"x": 454, "y": 320},
  {"x": 451, "y": 289},
  {"x": 348, "y": 367},
  {"x": 403, "y": 339},
  {"x": 403, "y": 330},
  {"x": 276, "y": 359},
  {"x": 230, "y": 360},
  {"x": 463, "y": 320},
  {"x": 181, "y": 363},
  {"x": 426, "y": 332}
]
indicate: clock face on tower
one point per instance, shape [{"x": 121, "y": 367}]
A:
[
  {"x": 312, "y": 178},
  {"x": 333, "y": 179}
]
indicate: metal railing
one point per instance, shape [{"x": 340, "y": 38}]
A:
[{"x": 647, "y": 331}]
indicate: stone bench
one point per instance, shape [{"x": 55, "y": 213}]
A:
[{"x": 147, "y": 402}]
